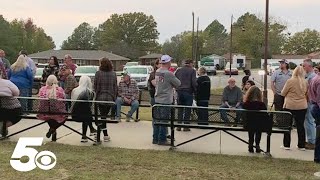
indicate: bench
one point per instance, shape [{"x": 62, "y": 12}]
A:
[
  {"x": 38, "y": 108},
  {"x": 167, "y": 115}
]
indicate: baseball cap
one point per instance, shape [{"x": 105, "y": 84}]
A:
[
  {"x": 165, "y": 59},
  {"x": 284, "y": 61},
  {"x": 125, "y": 73}
]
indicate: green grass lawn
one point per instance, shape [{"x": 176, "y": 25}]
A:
[{"x": 75, "y": 162}]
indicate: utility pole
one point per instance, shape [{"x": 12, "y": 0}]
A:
[
  {"x": 231, "y": 34},
  {"x": 192, "y": 53},
  {"x": 197, "y": 44},
  {"x": 266, "y": 45}
]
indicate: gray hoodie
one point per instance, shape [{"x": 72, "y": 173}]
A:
[{"x": 165, "y": 82}]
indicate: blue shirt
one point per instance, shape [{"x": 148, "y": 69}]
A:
[
  {"x": 280, "y": 78},
  {"x": 23, "y": 79}
]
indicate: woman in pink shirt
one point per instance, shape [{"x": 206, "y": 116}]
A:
[{"x": 52, "y": 104}]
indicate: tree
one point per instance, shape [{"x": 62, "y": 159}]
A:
[
  {"x": 20, "y": 34},
  {"x": 303, "y": 43},
  {"x": 216, "y": 37},
  {"x": 248, "y": 36},
  {"x": 6, "y": 37},
  {"x": 180, "y": 46},
  {"x": 81, "y": 39},
  {"x": 135, "y": 31}
]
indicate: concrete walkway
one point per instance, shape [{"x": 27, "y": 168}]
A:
[{"x": 133, "y": 135}]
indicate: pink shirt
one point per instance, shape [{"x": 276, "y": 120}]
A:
[
  {"x": 52, "y": 106},
  {"x": 314, "y": 90},
  {"x": 72, "y": 67}
]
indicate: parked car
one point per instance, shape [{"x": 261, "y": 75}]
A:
[
  {"x": 128, "y": 64},
  {"x": 141, "y": 74},
  {"x": 41, "y": 65},
  {"x": 234, "y": 70},
  {"x": 37, "y": 81},
  {"x": 210, "y": 67},
  {"x": 273, "y": 67},
  {"x": 86, "y": 70}
]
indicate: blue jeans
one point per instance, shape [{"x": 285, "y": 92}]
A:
[
  {"x": 24, "y": 102},
  {"x": 160, "y": 132},
  {"x": 310, "y": 126},
  {"x": 185, "y": 99},
  {"x": 224, "y": 116},
  {"x": 134, "y": 107}
]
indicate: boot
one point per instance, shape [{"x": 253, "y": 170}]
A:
[
  {"x": 250, "y": 149},
  {"x": 258, "y": 150}
]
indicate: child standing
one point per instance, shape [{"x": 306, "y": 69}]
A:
[
  {"x": 253, "y": 101},
  {"x": 203, "y": 95}
]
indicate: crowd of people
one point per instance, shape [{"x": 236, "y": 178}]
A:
[{"x": 296, "y": 91}]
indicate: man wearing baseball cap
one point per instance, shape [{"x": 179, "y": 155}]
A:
[
  {"x": 278, "y": 79},
  {"x": 165, "y": 82},
  {"x": 128, "y": 93}
]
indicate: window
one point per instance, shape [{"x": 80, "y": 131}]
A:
[{"x": 136, "y": 70}]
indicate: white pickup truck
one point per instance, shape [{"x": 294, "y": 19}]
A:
[{"x": 210, "y": 67}]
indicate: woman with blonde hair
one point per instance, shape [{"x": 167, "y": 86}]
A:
[
  {"x": 295, "y": 101},
  {"x": 53, "y": 104},
  {"x": 256, "y": 121},
  {"x": 21, "y": 75},
  {"x": 81, "y": 111}
]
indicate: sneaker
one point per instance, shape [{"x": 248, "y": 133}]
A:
[
  {"x": 106, "y": 138},
  {"x": 129, "y": 118},
  {"x": 84, "y": 140},
  {"x": 285, "y": 148},
  {"x": 54, "y": 137},
  {"x": 165, "y": 143},
  {"x": 309, "y": 146},
  {"x": 93, "y": 132},
  {"x": 178, "y": 128},
  {"x": 301, "y": 149},
  {"x": 186, "y": 129},
  {"x": 136, "y": 120}
]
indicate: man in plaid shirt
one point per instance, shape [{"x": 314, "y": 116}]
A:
[{"x": 128, "y": 94}]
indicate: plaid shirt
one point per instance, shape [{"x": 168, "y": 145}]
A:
[
  {"x": 105, "y": 86},
  {"x": 69, "y": 84},
  {"x": 128, "y": 90}
]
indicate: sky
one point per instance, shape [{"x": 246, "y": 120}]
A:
[{"x": 60, "y": 17}]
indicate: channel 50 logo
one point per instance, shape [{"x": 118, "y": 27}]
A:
[{"x": 44, "y": 160}]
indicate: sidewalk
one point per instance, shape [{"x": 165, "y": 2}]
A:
[{"x": 133, "y": 135}]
